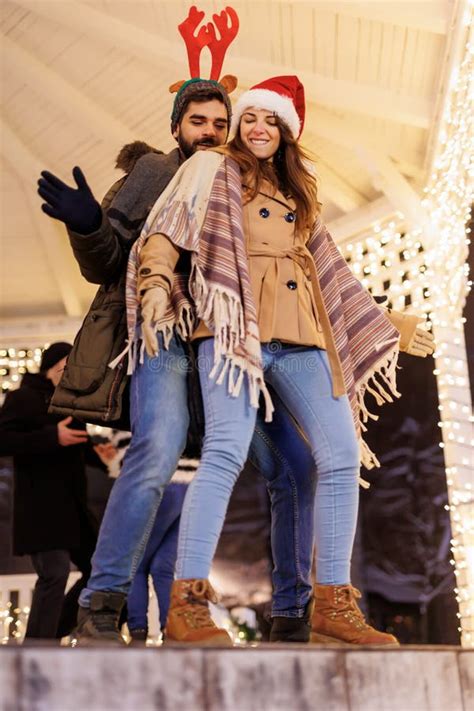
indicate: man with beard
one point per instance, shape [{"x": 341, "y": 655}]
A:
[{"x": 101, "y": 237}]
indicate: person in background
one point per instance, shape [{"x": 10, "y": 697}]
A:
[{"x": 51, "y": 522}]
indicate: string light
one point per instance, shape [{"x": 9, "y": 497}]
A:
[
  {"x": 428, "y": 273},
  {"x": 448, "y": 199},
  {"x": 14, "y": 363}
]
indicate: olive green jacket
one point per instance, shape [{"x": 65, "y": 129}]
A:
[{"x": 89, "y": 389}]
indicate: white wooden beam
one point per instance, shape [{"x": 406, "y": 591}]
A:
[
  {"x": 387, "y": 179},
  {"x": 427, "y": 15},
  {"x": 36, "y": 331},
  {"x": 336, "y": 189},
  {"x": 409, "y": 170},
  {"x": 374, "y": 101},
  {"x": 20, "y": 63},
  {"x": 105, "y": 28},
  {"x": 344, "y": 229},
  {"x": 51, "y": 232},
  {"x": 384, "y": 174},
  {"x": 336, "y": 93},
  {"x": 331, "y": 127}
]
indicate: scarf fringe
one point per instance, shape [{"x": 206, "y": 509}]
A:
[
  {"x": 386, "y": 370},
  {"x": 118, "y": 359},
  {"x": 183, "y": 324},
  {"x": 221, "y": 311},
  {"x": 232, "y": 365}
]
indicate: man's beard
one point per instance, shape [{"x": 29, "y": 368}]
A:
[{"x": 188, "y": 149}]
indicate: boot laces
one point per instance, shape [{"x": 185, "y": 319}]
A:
[
  {"x": 350, "y": 610},
  {"x": 196, "y": 610}
]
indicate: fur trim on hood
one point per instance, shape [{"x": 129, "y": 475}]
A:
[{"x": 130, "y": 153}]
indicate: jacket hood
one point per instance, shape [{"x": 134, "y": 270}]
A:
[{"x": 131, "y": 152}]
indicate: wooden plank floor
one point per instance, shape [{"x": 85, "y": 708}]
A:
[{"x": 265, "y": 678}]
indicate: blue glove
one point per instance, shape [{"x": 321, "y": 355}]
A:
[{"x": 77, "y": 208}]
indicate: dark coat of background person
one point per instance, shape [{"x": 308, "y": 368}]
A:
[{"x": 50, "y": 481}]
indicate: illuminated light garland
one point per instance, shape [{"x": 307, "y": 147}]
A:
[
  {"x": 428, "y": 273},
  {"x": 14, "y": 363},
  {"x": 448, "y": 199}
]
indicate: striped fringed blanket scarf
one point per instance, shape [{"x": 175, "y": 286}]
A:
[{"x": 201, "y": 211}]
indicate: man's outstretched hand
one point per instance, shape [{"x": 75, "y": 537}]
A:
[{"x": 76, "y": 207}]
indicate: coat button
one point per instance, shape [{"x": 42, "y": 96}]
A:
[
  {"x": 263, "y": 212},
  {"x": 291, "y": 284},
  {"x": 145, "y": 271},
  {"x": 289, "y": 216}
]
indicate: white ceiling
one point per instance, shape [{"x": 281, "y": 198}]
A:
[{"x": 79, "y": 79}]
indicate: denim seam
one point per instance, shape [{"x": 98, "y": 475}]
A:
[{"x": 142, "y": 545}]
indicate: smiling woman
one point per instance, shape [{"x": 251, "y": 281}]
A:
[
  {"x": 273, "y": 304},
  {"x": 260, "y": 133}
]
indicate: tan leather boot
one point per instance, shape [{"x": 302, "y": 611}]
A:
[
  {"x": 189, "y": 618},
  {"x": 337, "y": 619}
]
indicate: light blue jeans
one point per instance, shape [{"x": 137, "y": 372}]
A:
[
  {"x": 160, "y": 419},
  {"x": 301, "y": 377}
]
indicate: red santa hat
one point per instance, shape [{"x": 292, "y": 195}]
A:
[{"x": 282, "y": 95}]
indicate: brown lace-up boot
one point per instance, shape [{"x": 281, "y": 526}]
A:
[
  {"x": 189, "y": 618},
  {"x": 337, "y": 619}
]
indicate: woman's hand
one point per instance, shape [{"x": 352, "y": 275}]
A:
[
  {"x": 154, "y": 302},
  {"x": 414, "y": 340}
]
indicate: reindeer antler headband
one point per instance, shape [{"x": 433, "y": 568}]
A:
[{"x": 227, "y": 23}]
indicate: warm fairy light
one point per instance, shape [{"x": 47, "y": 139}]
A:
[
  {"x": 14, "y": 363},
  {"x": 428, "y": 273},
  {"x": 448, "y": 199}
]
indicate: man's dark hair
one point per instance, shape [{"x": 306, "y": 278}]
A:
[{"x": 200, "y": 97}]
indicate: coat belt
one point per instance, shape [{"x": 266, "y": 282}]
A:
[{"x": 301, "y": 255}]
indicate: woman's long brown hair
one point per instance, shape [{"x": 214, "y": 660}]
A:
[{"x": 288, "y": 172}]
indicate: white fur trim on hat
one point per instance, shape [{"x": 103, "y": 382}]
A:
[{"x": 283, "y": 106}]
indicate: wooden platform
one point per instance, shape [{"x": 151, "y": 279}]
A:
[{"x": 265, "y": 678}]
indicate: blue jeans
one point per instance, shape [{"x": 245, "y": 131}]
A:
[
  {"x": 160, "y": 420},
  {"x": 159, "y": 385},
  {"x": 301, "y": 376},
  {"x": 283, "y": 458},
  {"x": 158, "y": 560}
]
